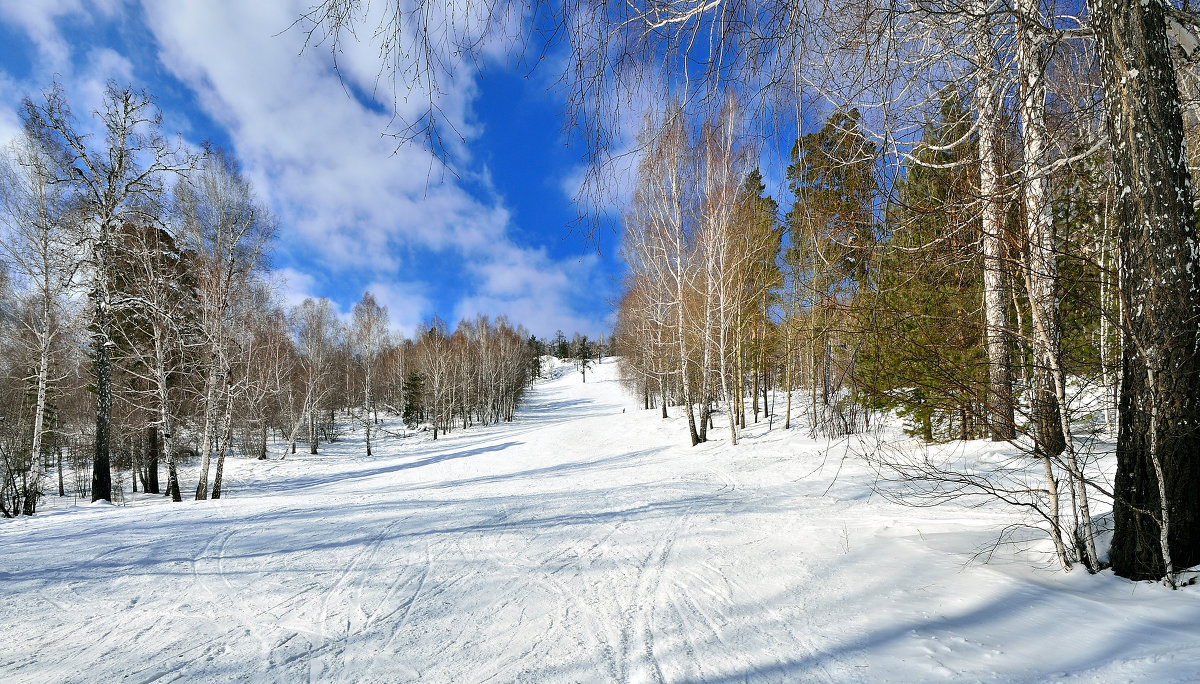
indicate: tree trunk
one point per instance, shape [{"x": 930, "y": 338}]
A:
[
  {"x": 687, "y": 395},
  {"x": 1159, "y": 411},
  {"x": 101, "y": 473},
  {"x": 1042, "y": 267},
  {"x": 367, "y": 405},
  {"x": 787, "y": 384},
  {"x": 207, "y": 440},
  {"x": 134, "y": 470},
  {"x": 662, "y": 394},
  {"x": 1055, "y": 515},
  {"x": 164, "y": 418},
  {"x": 754, "y": 379},
  {"x": 313, "y": 437},
  {"x": 61, "y": 490},
  {"x": 225, "y": 440},
  {"x": 988, "y": 94},
  {"x": 34, "y": 489},
  {"x": 152, "y": 457}
]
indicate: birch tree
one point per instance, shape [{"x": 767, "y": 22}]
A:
[
  {"x": 662, "y": 239},
  {"x": 36, "y": 215},
  {"x": 316, "y": 332},
  {"x": 228, "y": 231},
  {"x": 988, "y": 95},
  {"x": 1157, "y": 489},
  {"x": 369, "y": 332},
  {"x": 110, "y": 184},
  {"x": 720, "y": 182}
]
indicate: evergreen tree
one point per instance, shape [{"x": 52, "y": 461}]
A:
[
  {"x": 414, "y": 391},
  {"x": 560, "y": 346},
  {"x": 832, "y": 175},
  {"x": 832, "y": 230},
  {"x": 583, "y": 356},
  {"x": 924, "y": 355},
  {"x": 537, "y": 348}
]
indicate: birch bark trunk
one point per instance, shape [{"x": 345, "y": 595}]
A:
[{"x": 995, "y": 295}]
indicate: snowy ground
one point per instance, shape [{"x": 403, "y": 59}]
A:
[{"x": 583, "y": 542}]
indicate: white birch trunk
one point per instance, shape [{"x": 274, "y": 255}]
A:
[
  {"x": 206, "y": 440},
  {"x": 988, "y": 94}
]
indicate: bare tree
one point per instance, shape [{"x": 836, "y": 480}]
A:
[
  {"x": 228, "y": 231},
  {"x": 725, "y": 264},
  {"x": 434, "y": 352},
  {"x": 988, "y": 95},
  {"x": 317, "y": 333},
  {"x": 369, "y": 333},
  {"x": 36, "y": 216},
  {"x": 110, "y": 184},
  {"x": 657, "y": 236}
]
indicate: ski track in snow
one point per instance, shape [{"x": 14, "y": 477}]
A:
[{"x": 583, "y": 542}]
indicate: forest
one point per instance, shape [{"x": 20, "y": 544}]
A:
[
  {"x": 985, "y": 228},
  {"x": 142, "y": 324}
]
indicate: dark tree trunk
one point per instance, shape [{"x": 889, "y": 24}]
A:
[
  {"x": 150, "y": 484},
  {"x": 58, "y": 453},
  {"x": 101, "y": 473},
  {"x": 1160, "y": 386},
  {"x": 765, "y": 389},
  {"x": 312, "y": 432},
  {"x": 662, "y": 395},
  {"x": 173, "y": 481}
]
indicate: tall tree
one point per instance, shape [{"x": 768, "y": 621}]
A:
[
  {"x": 1157, "y": 489},
  {"x": 832, "y": 230},
  {"x": 112, "y": 184},
  {"x": 36, "y": 215},
  {"x": 923, "y": 356},
  {"x": 228, "y": 230},
  {"x": 317, "y": 332},
  {"x": 369, "y": 332},
  {"x": 988, "y": 99},
  {"x": 583, "y": 355},
  {"x": 157, "y": 320}
]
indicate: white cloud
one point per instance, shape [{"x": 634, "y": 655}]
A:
[
  {"x": 10, "y": 123},
  {"x": 356, "y": 212},
  {"x": 406, "y": 303},
  {"x": 344, "y": 191},
  {"x": 38, "y": 21},
  {"x": 318, "y": 153},
  {"x": 294, "y": 286}
]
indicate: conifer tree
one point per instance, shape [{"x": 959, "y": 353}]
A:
[{"x": 923, "y": 355}]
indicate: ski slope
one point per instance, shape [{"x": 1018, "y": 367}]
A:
[{"x": 583, "y": 542}]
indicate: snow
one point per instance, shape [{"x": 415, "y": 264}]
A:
[{"x": 583, "y": 542}]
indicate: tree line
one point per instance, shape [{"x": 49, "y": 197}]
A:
[
  {"x": 141, "y": 325},
  {"x": 988, "y": 225}
]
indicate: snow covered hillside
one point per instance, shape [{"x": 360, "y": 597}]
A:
[{"x": 584, "y": 542}]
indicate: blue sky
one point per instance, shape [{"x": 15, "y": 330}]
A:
[{"x": 355, "y": 212}]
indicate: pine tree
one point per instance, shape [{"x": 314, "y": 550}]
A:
[
  {"x": 414, "y": 391},
  {"x": 832, "y": 231},
  {"x": 536, "y": 349},
  {"x": 583, "y": 356},
  {"x": 560, "y": 346},
  {"x": 924, "y": 354}
]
